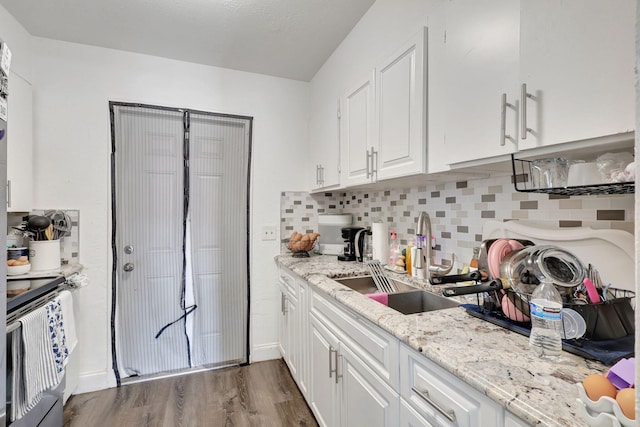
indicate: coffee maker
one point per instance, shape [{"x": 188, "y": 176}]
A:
[{"x": 349, "y": 237}]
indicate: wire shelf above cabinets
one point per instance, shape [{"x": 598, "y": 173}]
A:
[{"x": 527, "y": 179}]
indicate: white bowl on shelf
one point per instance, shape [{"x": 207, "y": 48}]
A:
[{"x": 16, "y": 270}]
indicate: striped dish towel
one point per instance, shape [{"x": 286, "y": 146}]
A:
[{"x": 40, "y": 361}]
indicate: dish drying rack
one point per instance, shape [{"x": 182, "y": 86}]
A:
[{"x": 610, "y": 324}]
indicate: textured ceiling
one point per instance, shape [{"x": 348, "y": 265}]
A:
[{"x": 284, "y": 38}]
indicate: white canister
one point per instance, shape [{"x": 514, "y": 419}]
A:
[{"x": 44, "y": 255}]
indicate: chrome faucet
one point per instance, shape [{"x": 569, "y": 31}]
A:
[
  {"x": 423, "y": 267},
  {"x": 422, "y": 260}
]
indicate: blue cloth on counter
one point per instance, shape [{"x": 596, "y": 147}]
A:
[{"x": 605, "y": 351}]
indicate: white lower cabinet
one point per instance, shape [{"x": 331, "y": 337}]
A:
[
  {"x": 293, "y": 329},
  {"x": 441, "y": 398},
  {"x": 323, "y": 396},
  {"x": 347, "y": 388},
  {"x": 352, "y": 373},
  {"x": 409, "y": 417}
]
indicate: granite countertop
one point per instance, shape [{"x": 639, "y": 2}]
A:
[{"x": 490, "y": 358}]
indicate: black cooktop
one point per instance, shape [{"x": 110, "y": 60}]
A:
[{"x": 22, "y": 291}]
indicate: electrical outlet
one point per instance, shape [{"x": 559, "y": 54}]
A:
[{"x": 268, "y": 232}]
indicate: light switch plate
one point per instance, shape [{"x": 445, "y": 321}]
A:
[{"x": 268, "y": 232}]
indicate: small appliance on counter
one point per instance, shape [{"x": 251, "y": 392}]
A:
[
  {"x": 349, "y": 245},
  {"x": 363, "y": 246},
  {"x": 330, "y": 228}
]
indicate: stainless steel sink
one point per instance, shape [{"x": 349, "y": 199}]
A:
[
  {"x": 366, "y": 285},
  {"x": 419, "y": 302},
  {"x": 408, "y": 300}
]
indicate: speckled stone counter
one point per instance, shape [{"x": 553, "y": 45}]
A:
[{"x": 491, "y": 359}]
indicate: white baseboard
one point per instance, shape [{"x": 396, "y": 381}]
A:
[
  {"x": 95, "y": 381},
  {"x": 265, "y": 352}
]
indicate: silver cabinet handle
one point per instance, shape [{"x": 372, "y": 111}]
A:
[
  {"x": 503, "y": 120},
  {"x": 283, "y": 303},
  {"x": 334, "y": 352},
  {"x": 369, "y": 162},
  {"x": 321, "y": 182},
  {"x": 374, "y": 163},
  {"x": 331, "y": 350},
  {"x": 317, "y": 174},
  {"x": 128, "y": 267},
  {"x": 523, "y": 111},
  {"x": 449, "y": 413},
  {"x": 8, "y": 193}
]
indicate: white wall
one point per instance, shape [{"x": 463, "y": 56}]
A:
[
  {"x": 19, "y": 41},
  {"x": 72, "y": 87}
]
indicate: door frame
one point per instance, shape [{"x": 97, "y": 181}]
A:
[{"x": 114, "y": 252}]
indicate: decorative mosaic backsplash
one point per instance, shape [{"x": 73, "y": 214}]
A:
[{"x": 457, "y": 210}]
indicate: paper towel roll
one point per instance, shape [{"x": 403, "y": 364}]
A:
[{"x": 380, "y": 240}]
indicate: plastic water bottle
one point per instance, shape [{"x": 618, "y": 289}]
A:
[{"x": 545, "y": 340}]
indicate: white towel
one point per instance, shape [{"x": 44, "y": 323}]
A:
[
  {"x": 66, "y": 301},
  {"x": 39, "y": 371},
  {"x": 41, "y": 351},
  {"x": 19, "y": 406}
]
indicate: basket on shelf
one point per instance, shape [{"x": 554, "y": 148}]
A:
[{"x": 301, "y": 244}]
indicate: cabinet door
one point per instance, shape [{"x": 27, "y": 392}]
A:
[
  {"x": 409, "y": 417},
  {"x": 323, "y": 368},
  {"x": 357, "y": 119},
  {"x": 481, "y": 58},
  {"x": 283, "y": 327},
  {"x": 324, "y": 134},
  {"x": 19, "y": 145},
  {"x": 401, "y": 110},
  {"x": 365, "y": 399},
  {"x": 511, "y": 420},
  {"x": 577, "y": 60},
  {"x": 302, "y": 337}
]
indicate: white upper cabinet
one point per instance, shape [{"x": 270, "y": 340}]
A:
[
  {"x": 481, "y": 61},
  {"x": 527, "y": 74},
  {"x": 324, "y": 131},
  {"x": 357, "y": 127},
  {"x": 401, "y": 110},
  {"x": 19, "y": 145},
  {"x": 577, "y": 61},
  {"x": 384, "y": 118}
]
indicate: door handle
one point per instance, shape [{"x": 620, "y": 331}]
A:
[{"x": 128, "y": 267}]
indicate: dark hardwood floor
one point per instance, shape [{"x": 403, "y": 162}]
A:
[{"x": 260, "y": 394}]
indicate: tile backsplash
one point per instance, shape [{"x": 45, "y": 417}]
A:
[{"x": 457, "y": 210}]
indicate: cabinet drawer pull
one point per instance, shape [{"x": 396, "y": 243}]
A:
[
  {"x": 503, "y": 120},
  {"x": 449, "y": 413},
  {"x": 374, "y": 163},
  {"x": 283, "y": 303},
  {"x": 8, "y": 193},
  {"x": 523, "y": 111},
  {"x": 331, "y": 370},
  {"x": 369, "y": 163}
]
